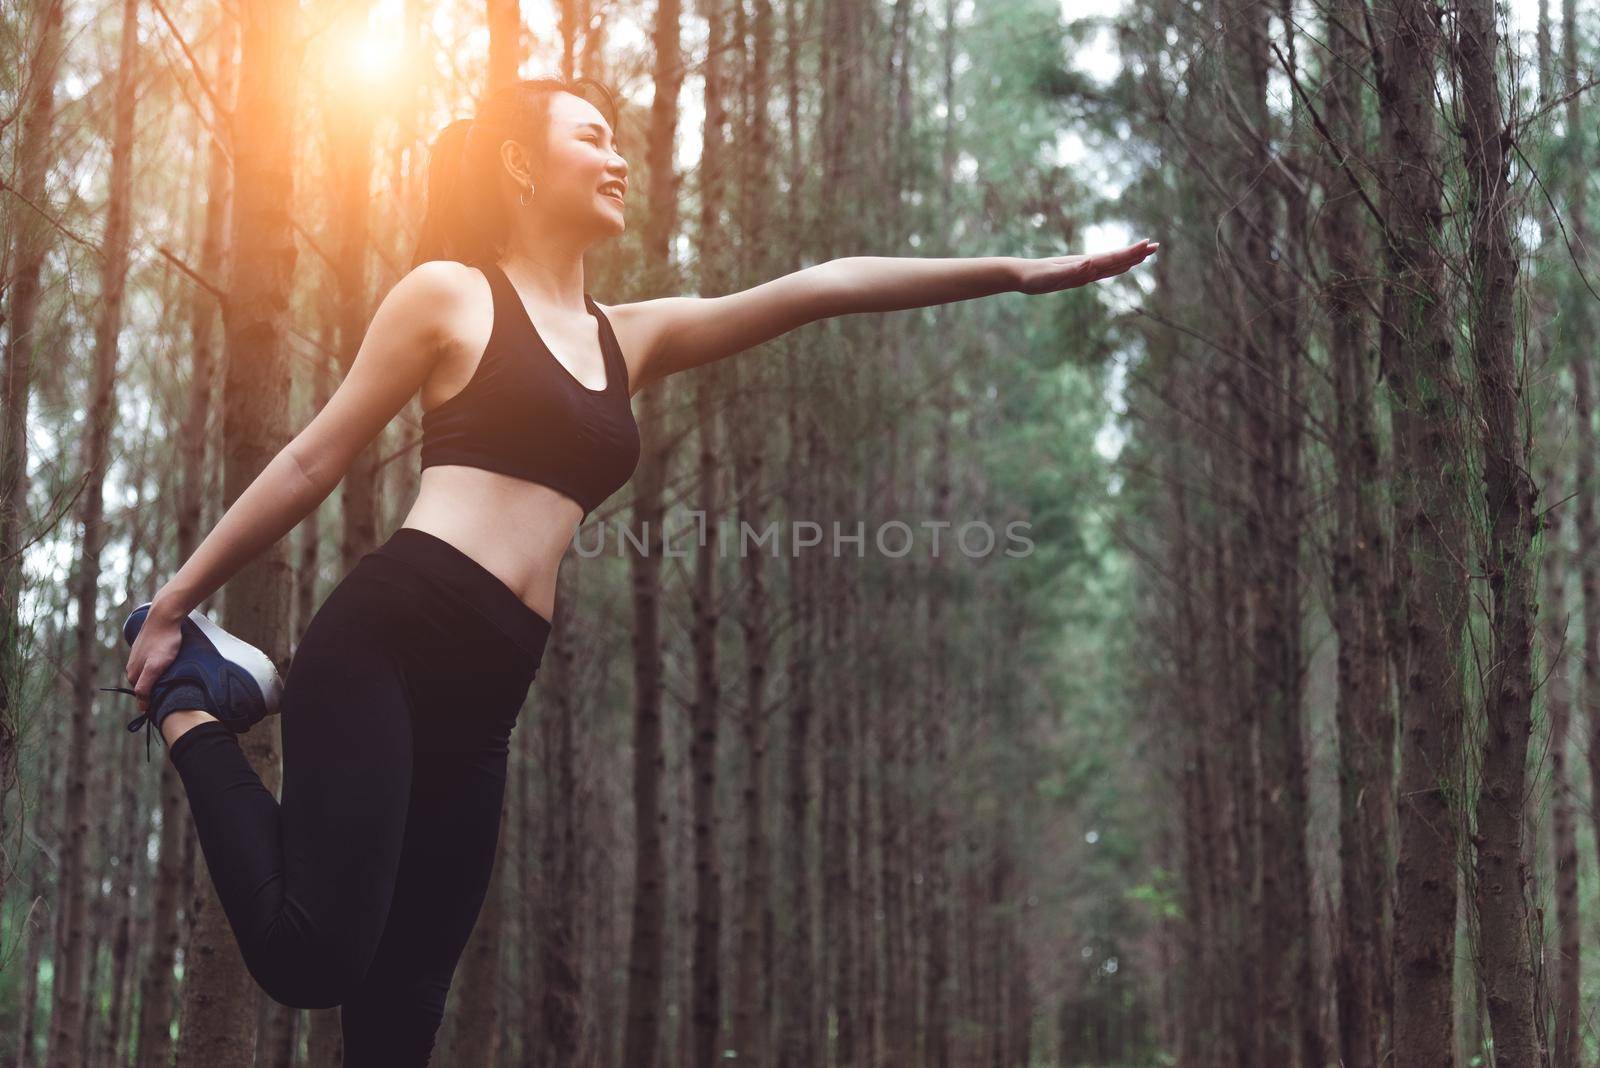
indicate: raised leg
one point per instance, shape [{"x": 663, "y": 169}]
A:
[
  {"x": 306, "y": 884},
  {"x": 177, "y": 724}
]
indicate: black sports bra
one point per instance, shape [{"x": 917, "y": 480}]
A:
[{"x": 524, "y": 414}]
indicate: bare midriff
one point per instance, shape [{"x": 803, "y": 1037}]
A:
[{"x": 517, "y": 530}]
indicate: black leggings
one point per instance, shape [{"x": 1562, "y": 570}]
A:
[{"x": 361, "y": 887}]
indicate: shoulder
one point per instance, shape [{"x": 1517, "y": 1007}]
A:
[
  {"x": 441, "y": 300},
  {"x": 640, "y": 327},
  {"x": 631, "y": 330},
  {"x": 443, "y": 283}
]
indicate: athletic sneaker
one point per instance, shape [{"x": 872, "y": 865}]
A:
[{"x": 214, "y": 671}]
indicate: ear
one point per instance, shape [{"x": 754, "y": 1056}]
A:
[{"x": 514, "y": 158}]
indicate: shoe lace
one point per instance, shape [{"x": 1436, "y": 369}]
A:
[{"x": 144, "y": 720}]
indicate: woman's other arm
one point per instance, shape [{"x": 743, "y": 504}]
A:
[
  {"x": 674, "y": 334},
  {"x": 408, "y": 332}
]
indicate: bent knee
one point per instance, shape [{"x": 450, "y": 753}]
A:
[{"x": 312, "y": 983}]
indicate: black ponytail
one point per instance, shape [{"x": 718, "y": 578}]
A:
[
  {"x": 466, "y": 217},
  {"x": 449, "y": 230}
]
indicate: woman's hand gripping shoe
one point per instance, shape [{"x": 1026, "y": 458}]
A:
[{"x": 214, "y": 671}]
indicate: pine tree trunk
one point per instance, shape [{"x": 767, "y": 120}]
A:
[
  {"x": 1565, "y": 1040},
  {"x": 37, "y": 930},
  {"x": 898, "y": 988},
  {"x": 505, "y": 42},
  {"x": 124, "y": 888},
  {"x": 1239, "y": 725},
  {"x": 866, "y": 904},
  {"x": 834, "y": 859},
  {"x": 705, "y": 710},
  {"x": 97, "y": 919},
  {"x": 220, "y": 998},
  {"x": 750, "y": 1024},
  {"x": 796, "y": 963},
  {"x": 935, "y": 713},
  {"x": 534, "y": 874},
  {"x": 310, "y": 531},
  {"x": 324, "y": 1038},
  {"x": 276, "y": 1033},
  {"x": 564, "y": 967},
  {"x": 1430, "y": 542},
  {"x": 646, "y": 953},
  {"x": 350, "y": 133},
  {"x": 47, "y": 826},
  {"x": 1366, "y": 727},
  {"x": 896, "y": 992},
  {"x": 172, "y": 883},
  {"x": 556, "y": 962},
  {"x": 843, "y": 47},
  {"x": 73, "y": 945},
  {"x": 1259, "y": 243},
  {"x": 28, "y": 239},
  {"x": 706, "y": 979},
  {"x": 646, "y": 963},
  {"x": 1586, "y": 442},
  {"x": 1508, "y": 971},
  {"x": 680, "y": 891}
]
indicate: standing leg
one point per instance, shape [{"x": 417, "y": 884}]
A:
[
  {"x": 470, "y": 659},
  {"x": 451, "y": 837}
]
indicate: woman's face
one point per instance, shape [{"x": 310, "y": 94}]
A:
[{"x": 583, "y": 179}]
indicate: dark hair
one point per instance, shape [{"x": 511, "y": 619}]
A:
[{"x": 465, "y": 218}]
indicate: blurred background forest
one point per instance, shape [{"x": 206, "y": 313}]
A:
[{"x": 1279, "y": 747}]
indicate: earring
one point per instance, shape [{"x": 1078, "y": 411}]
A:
[{"x": 526, "y": 197}]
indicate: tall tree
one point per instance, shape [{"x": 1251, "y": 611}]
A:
[
  {"x": 795, "y": 995},
  {"x": 172, "y": 880},
  {"x": 752, "y": 979},
  {"x": 73, "y": 941},
  {"x": 1566, "y": 1046},
  {"x": 219, "y": 996},
  {"x": 898, "y": 993},
  {"x": 1566, "y": 1035},
  {"x": 505, "y": 42},
  {"x": 1365, "y": 720},
  {"x": 552, "y": 1034},
  {"x": 1502, "y": 887},
  {"x": 350, "y": 119},
  {"x": 646, "y": 964},
  {"x": 1580, "y": 367},
  {"x": 1418, "y": 361},
  {"x": 29, "y": 240},
  {"x": 705, "y": 711},
  {"x": 937, "y": 707}
]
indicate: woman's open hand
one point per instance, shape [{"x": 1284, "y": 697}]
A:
[{"x": 1068, "y": 272}]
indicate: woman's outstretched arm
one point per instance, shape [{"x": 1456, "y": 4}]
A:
[{"x": 673, "y": 334}]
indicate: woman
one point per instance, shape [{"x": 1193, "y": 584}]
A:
[{"x": 361, "y": 887}]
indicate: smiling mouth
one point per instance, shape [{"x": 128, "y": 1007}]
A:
[{"x": 612, "y": 196}]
